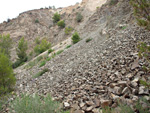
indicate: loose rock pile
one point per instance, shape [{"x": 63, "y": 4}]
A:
[{"x": 89, "y": 76}]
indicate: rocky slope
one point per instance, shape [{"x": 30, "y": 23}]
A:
[{"x": 91, "y": 75}]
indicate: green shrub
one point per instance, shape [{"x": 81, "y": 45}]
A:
[
  {"x": 35, "y": 104},
  {"x": 21, "y": 50},
  {"x": 113, "y": 2},
  {"x": 142, "y": 12},
  {"x": 5, "y": 44},
  {"x": 68, "y": 30},
  {"x": 40, "y": 73},
  {"x": 17, "y": 64},
  {"x": 56, "y": 17},
  {"x": 36, "y": 21},
  {"x": 88, "y": 40},
  {"x": 42, "y": 63},
  {"x": 43, "y": 46},
  {"x": 79, "y": 17},
  {"x": 68, "y": 46},
  {"x": 144, "y": 52},
  {"x": 60, "y": 51},
  {"x": 7, "y": 78},
  {"x": 50, "y": 50},
  {"x": 48, "y": 59},
  {"x": 61, "y": 23},
  {"x": 75, "y": 38}
]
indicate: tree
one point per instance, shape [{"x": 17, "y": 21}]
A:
[
  {"x": 7, "y": 78},
  {"x": 5, "y": 44},
  {"x": 21, "y": 50},
  {"x": 56, "y": 17},
  {"x": 75, "y": 38},
  {"x": 142, "y": 12}
]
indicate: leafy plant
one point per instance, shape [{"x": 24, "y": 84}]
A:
[
  {"x": 68, "y": 30},
  {"x": 88, "y": 40},
  {"x": 142, "y": 12},
  {"x": 56, "y": 17},
  {"x": 79, "y": 17},
  {"x": 7, "y": 78},
  {"x": 75, "y": 38},
  {"x": 61, "y": 23},
  {"x": 40, "y": 73},
  {"x": 5, "y": 44}
]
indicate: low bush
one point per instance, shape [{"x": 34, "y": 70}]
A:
[
  {"x": 35, "y": 104},
  {"x": 42, "y": 63},
  {"x": 43, "y": 46},
  {"x": 75, "y": 38},
  {"x": 40, "y": 73},
  {"x": 36, "y": 21},
  {"x": 61, "y": 24},
  {"x": 50, "y": 50},
  {"x": 79, "y": 17},
  {"x": 17, "y": 64},
  {"x": 113, "y": 2},
  {"x": 60, "y": 51},
  {"x": 68, "y": 46},
  {"x": 68, "y": 30},
  {"x": 88, "y": 40}
]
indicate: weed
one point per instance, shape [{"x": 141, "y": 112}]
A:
[
  {"x": 42, "y": 63},
  {"x": 88, "y": 40}
]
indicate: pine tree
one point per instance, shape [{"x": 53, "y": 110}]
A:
[
  {"x": 7, "y": 78},
  {"x": 21, "y": 50},
  {"x": 5, "y": 44},
  {"x": 142, "y": 12}
]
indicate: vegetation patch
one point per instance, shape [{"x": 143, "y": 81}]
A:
[
  {"x": 88, "y": 40},
  {"x": 36, "y": 104},
  {"x": 7, "y": 78},
  {"x": 75, "y": 38},
  {"x": 68, "y": 46},
  {"x": 61, "y": 24},
  {"x": 60, "y": 51},
  {"x": 40, "y": 73},
  {"x": 79, "y": 17},
  {"x": 68, "y": 30},
  {"x": 36, "y": 21},
  {"x": 50, "y": 50},
  {"x": 42, "y": 63},
  {"x": 42, "y": 46},
  {"x": 56, "y": 17}
]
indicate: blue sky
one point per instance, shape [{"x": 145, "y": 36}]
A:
[{"x": 12, "y": 8}]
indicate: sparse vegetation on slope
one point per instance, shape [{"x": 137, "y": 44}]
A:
[
  {"x": 40, "y": 73},
  {"x": 142, "y": 12},
  {"x": 35, "y": 104}
]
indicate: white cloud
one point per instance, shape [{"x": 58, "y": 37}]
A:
[{"x": 12, "y": 8}]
